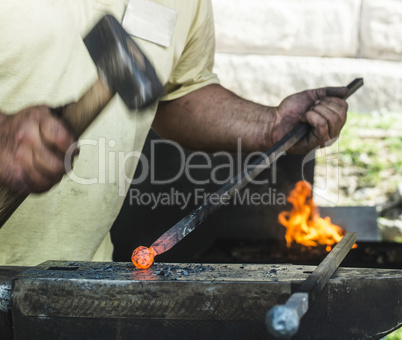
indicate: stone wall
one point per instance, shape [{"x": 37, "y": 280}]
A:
[{"x": 269, "y": 49}]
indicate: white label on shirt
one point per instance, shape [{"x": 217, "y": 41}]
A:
[{"x": 148, "y": 20}]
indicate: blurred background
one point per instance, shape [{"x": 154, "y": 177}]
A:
[{"x": 267, "y": 50}]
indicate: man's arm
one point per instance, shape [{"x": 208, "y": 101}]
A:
[
  {"x": 213, "y": 118},
  {"x": 33, "y": 144}
]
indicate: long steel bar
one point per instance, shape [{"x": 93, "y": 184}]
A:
[
  {"x": 283, "y": 320},
  {"x": 186, "y": 225}
]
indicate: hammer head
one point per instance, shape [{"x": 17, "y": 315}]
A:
[{"x": 122, "y": 65}]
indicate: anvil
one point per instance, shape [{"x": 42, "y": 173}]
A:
[{"x": 92, "y": 300}]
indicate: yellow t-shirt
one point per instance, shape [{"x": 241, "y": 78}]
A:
[{"x": 43, "y": 61}]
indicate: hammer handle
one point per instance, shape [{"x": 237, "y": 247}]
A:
[
  {"x": 78, "y": 116},
  {"x": 10, "y": 200}
]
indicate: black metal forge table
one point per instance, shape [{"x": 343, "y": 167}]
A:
[{"x": 92, "y": 300}]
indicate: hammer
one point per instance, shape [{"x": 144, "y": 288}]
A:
[{"x": 122, "y": 68}]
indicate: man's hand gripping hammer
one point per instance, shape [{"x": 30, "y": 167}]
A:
[{"x": 122, "y": 69}]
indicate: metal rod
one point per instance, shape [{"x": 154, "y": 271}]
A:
[
  {"x": 283, "y": 321},
  {"x": 186, "y": 225}
]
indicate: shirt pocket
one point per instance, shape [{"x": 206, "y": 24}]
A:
[{"x": 116, "y": 8}]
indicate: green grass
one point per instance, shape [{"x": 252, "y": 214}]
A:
[
  {"x": 378, "y": 159},
  {"x": 397, "y": 335}
]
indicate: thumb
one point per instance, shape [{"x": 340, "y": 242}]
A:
[
  {"x": 340, "y": 92},
  {"x": 317, "y": 94}
]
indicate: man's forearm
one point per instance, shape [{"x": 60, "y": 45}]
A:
[{"x": 213, "y": 118}]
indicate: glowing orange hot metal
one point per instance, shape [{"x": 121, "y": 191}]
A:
[{"x": 143, "y": 257}]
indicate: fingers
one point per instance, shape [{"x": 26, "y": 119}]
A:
[
  {"x": 39, "y": 179},
  {"x": 327, "y": 118},
  {"x": 34, "y": 144},
  {"x": 48, "y": 162},
  {"x": 48, "y": 157},
  {"x": 321, "y": 93},
  {"x": 55, "y": 135},
  {"x": 56, "y": 142}
]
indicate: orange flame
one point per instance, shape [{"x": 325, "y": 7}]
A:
[
  {"x": 143, "y": 257},
  {"x": 304, "y": 224}
]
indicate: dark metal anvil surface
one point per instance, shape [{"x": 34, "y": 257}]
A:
[{"x": 92, "y": 300}]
